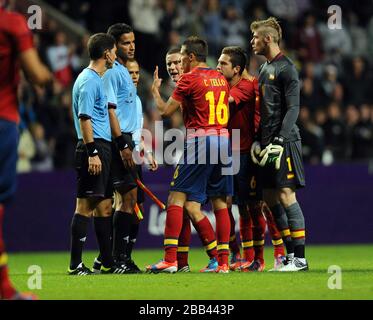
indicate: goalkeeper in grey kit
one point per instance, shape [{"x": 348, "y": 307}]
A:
[{"x": 279, "y": 149}]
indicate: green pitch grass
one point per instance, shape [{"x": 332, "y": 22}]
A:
[{"x": 355, "y": 262}]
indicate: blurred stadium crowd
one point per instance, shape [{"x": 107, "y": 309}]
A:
[{"x": 336, "y": 117}]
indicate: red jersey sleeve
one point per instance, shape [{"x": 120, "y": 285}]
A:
[
  {"x": 243, "y": 92},
  {"x": 21, "y": 34},
  {"x": 182, "y": 90}
]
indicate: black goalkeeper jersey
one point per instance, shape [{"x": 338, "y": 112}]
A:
[{"x": 279, "y": 100}]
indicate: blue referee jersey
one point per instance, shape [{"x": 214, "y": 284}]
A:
[
  {"x": 121, "y": 94},
  {"x": 89, "y": 101}
]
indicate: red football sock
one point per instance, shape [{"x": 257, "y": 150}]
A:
[
  {"x": 207, "y": 235},
  {"x": 259, "y": 223},
  {"x": 222, "y": 231},
  {"x": 246, "y": 233},
  {"x": 174, "y": 222},
  {"x": 233, "y": 245},
  {"x": 6, "y": 288},
  {"x": 278, "y": 243},
  {"x": 184, "y": 242}
]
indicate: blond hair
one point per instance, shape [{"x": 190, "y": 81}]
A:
[{"x": 268, "y": 27}]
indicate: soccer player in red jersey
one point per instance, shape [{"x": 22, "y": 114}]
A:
[
  {"x": 203, "y": 94},
  {"x": 175, "y": 70},
  {"x": 16, "y": 51},
  {"x": 244, "y": 116}
]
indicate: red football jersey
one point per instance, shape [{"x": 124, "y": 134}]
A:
[
  {"x": 204, "y": 93},
  {"x": 244, "y": 113},
  {"x": 15, "y": 37}
]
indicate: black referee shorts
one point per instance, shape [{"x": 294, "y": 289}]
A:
[
  {"x": 89, "y": 185},
  {"x": 123, "y": 178},
  {"x": 291, "y": 172}
]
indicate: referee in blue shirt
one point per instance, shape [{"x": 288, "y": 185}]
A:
[
  {"x": 121, "y": 93},
  {"x": 93, "y": 157}
]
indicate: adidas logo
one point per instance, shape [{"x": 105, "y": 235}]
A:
[{"x": 83, "y": 239}]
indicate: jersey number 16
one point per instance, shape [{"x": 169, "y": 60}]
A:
[{"x": 219, "y": 112}]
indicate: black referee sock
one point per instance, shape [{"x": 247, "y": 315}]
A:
[
  {"x": 122, "y": 223},
  {"x": 133, "y": 236},
  {"x": 103, "y": 234},
  {"x": 79, "y": 226}
]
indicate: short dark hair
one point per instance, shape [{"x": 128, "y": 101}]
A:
[
  {"x": 198, "y": 47},
  {"x": 3, "y": 3},
  {"x": 132, "y": 60},
  {"x": 116, "y": 30},
  {"x": 98, "y": 44},
  {"x": 238, "y": 57},
  {"x": 173, "y": 50}
]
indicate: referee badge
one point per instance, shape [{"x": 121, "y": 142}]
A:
[{"x": 271, "y": 77}]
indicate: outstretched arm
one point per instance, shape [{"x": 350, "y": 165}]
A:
[{"x": 34, "y": 69}]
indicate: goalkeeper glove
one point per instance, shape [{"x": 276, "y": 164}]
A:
[
  {"x": 273, "y": 153},
  {"x": 255, "y": 151}
]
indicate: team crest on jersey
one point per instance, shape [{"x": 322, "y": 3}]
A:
[
  {"x": 271, "y": 77},
  {"x": 176, "y": 174}
]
